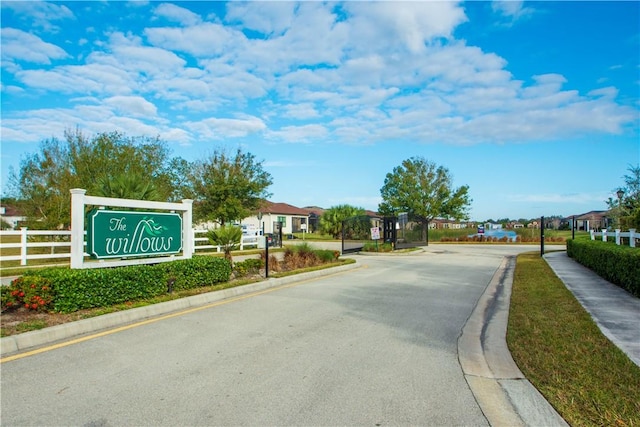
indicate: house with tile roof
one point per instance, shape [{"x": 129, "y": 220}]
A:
[
  {"x": 11, "y": 216},
  {"x": 592, "y": 220},
  {"x": 273, "y": 216}
]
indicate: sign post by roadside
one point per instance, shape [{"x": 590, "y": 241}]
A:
[
  {"x": 541, "y": 235},
  {"x": 375, "y": 235}
]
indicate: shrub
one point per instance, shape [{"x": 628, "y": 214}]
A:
[
  {"x": 74, "y": 290},
  {"x": 327, "y": 255},
  {"x": 247, "y": 267},
  {"x": 274, "y": 263},
  {"x": 377, "y": 247},
  {"x": 31, "y": 292},
  {"x": 197, "y": 271},
  {"x": 619, "y": 265},
  {"x": 80, "y": 289}
]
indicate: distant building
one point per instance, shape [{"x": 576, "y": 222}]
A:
[
  {"x": 11, "y": 216},
  {"x": 593, "y": 220}
]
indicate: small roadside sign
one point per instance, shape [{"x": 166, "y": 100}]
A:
[{"x": 375, "y": 233}]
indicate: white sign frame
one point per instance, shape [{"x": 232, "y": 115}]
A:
[{"x": 79, "y": 200}]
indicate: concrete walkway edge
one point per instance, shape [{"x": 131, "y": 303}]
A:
[
  {"x": 615, "y": 311},
  {"x": 504, "y": 395}
]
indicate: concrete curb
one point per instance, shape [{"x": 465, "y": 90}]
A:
[
  {"x": 33, "y": 339},
  {"x": 504, "y": 395}
]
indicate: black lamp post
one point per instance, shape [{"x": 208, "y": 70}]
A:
[{"x": 620, "y": 193}]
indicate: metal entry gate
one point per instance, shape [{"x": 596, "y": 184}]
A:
[
  {"x": 356, "y": 232},
  {"x": 400, "y": 231}
]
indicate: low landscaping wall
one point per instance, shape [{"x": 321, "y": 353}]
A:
[{"x": 619, "y": 265}]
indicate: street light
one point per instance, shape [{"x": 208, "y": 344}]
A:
[{"x": 620, "y": 193}]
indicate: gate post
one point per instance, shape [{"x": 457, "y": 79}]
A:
[
  {"x": 77, "y": 227},
  {"x": 188, "y": 244}
]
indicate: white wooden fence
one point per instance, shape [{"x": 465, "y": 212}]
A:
[
  {"x": 27, "y": 241},
  {"x": 604, "y": 235}
]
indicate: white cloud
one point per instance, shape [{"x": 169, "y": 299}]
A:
[
  {"x": 177, "y": 14},
  {"x": 82, "y": 79},
  {"x": 18, "y": 45},
  {"x": 266, "y": 17},
  {"x": 387, "y": 26},
  {"x": 204, "y": 40},
  {"x": 298, "y": 134},
  {"x": 220, "y": 128},
  {"x": 135, "y": 106},
  {"x": 301, "y": 111},
  {"x": 512, "y": 9},
  {"x": 358, "y": 72},
  {"x": 41, "y": 14}
]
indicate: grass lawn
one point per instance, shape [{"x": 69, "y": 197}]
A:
[{"x": 559, "y": 348}]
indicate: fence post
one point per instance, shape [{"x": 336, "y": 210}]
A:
[
  {"x": 188, "y": 245},
  {"x": 593, "y": 236},
  {"x": 604, "y": 235},
  {"x": 77, "y": 227},
  {"x": 23, "y": 245},
  {"x": 632, "y": 237},
  {"x": 618, "y": 236}
]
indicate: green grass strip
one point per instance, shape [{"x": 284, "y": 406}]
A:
[{"x": 561, "y": 351}]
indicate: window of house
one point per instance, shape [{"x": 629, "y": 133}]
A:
[{"x": 283, "y": 220}]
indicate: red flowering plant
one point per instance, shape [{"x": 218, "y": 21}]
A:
[{"x": 30, "y": 292}]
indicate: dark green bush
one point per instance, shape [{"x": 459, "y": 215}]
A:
[
  {"x": 197, "y": 271},
  {"x": 327, "y": 255},
  {"x": 619, "y": 265},
  {"x": 101, "y": 287},
  {"x": 79, "y": 289}
]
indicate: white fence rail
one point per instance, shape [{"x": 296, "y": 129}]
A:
[
  {"x": 245, "y": 242},
  {"x": 27, "y": 238},
  {"x": 617, "y": 234}
]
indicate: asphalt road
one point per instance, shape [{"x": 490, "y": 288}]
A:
[{"x": 372, "y": 346}]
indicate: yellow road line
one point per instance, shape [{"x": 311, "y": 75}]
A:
[{"x": 162, "y": 317}]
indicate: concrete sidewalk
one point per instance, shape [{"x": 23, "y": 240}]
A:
[{"x": 615, "y": 311}]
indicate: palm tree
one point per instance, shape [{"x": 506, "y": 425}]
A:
[
  {"x": 227, "y": 237},
  {"x": 126, "y": 186}
]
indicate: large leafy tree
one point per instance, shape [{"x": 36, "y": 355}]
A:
[
  {"x": 425, "y": 191},
  {"x": 228, "y": 187},
  {"x": 331, "y": 220},
  {"x": 94, "y": 163}
]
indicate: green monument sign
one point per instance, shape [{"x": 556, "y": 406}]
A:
[{"x": 121, "y": 234}]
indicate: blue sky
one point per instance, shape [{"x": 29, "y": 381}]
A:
[{"x": 534, "y": 105}]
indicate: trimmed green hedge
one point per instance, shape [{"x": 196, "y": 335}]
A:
[
  {"x": 75, "y": 290},
  {"x": 197, "y": 271},
  {"x": 619, "y": 265}
]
